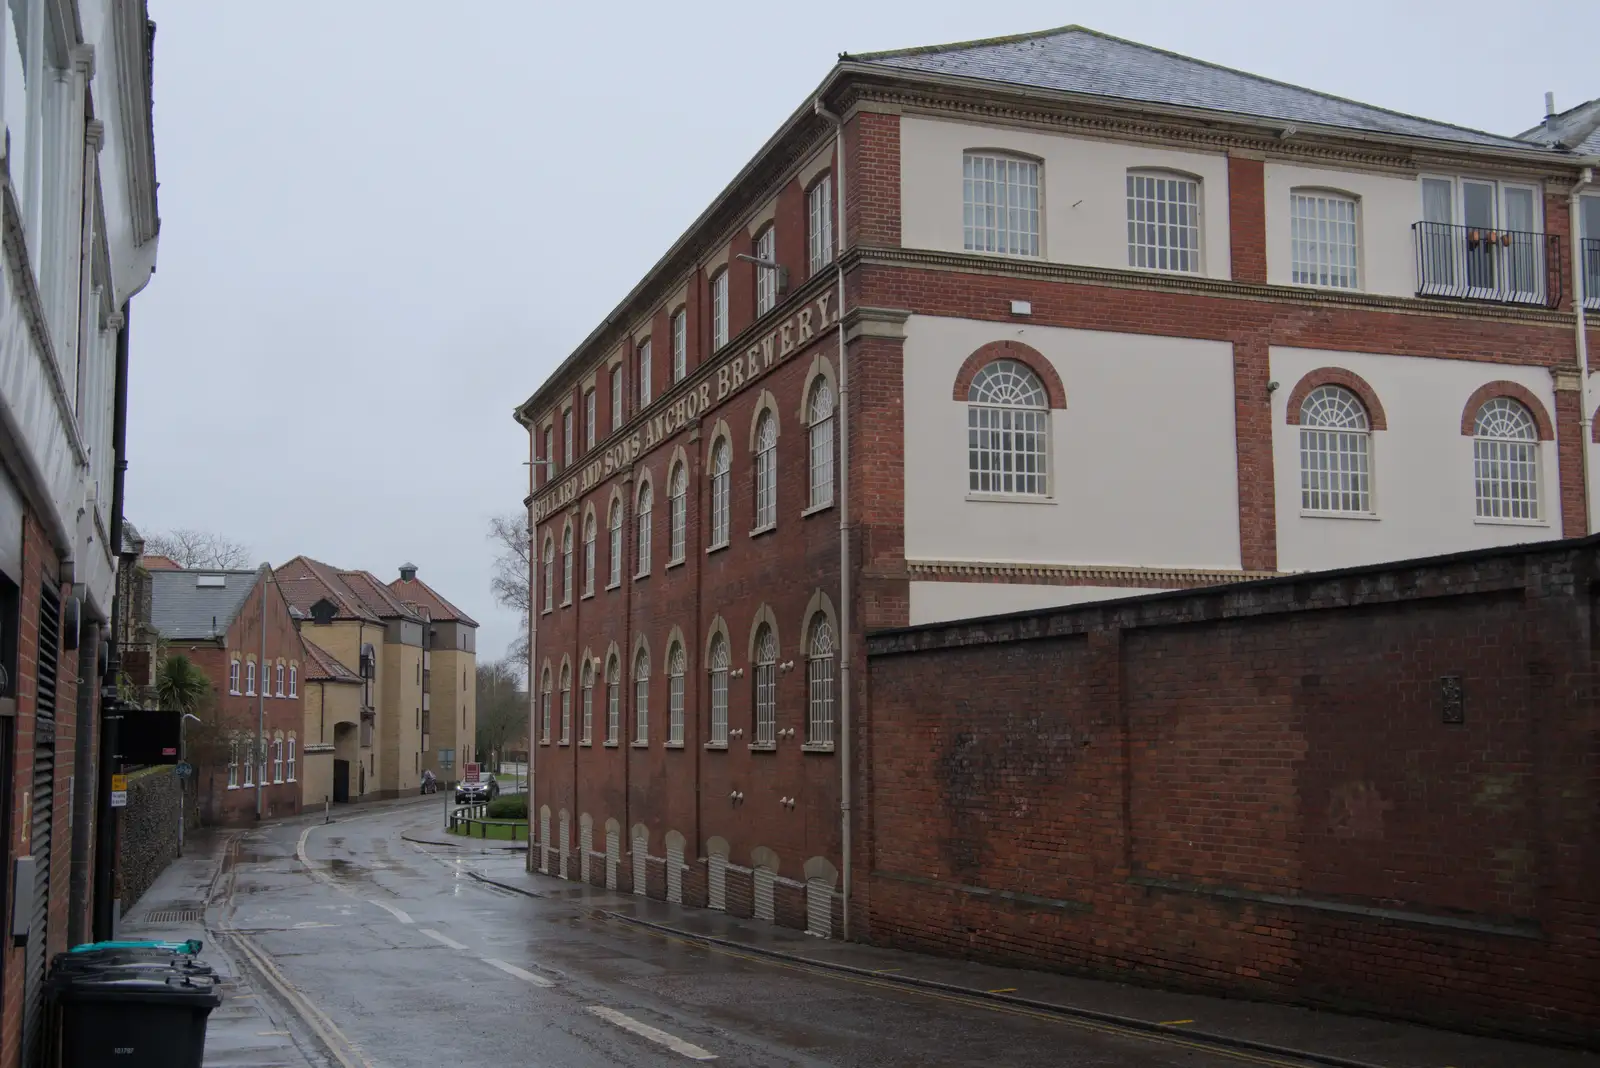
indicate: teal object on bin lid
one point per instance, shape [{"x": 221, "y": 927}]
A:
[{"x": 190, "y": 947}]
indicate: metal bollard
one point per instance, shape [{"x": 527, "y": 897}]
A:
[{"x": 325, "y": 809}]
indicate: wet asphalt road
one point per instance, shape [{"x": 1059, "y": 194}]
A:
[{"x": 398, "y": 959}]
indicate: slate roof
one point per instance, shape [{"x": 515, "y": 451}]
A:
[
  {"x": 1576, "y": 129},
  {"x": 1079, "y": 60},
  {"x": 181, "y": 609},
  {"x": 416, "y": 592},
  {"x": 305, "y": 581},
  {"x": 323, "y": 666},
  {"x": 376, "y": 596}
]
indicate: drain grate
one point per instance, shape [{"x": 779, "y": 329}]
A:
[{"x": 163, "y": 916}]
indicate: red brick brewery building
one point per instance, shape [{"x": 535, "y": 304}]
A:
[{"x": 1004, "y": 326}]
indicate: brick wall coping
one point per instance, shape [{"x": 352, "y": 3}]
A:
[{"x": 1472, "y": 571}]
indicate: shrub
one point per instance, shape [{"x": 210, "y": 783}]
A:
[{"x": 509, "y": 807}]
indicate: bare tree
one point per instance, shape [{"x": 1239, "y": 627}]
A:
[
  {"x": 502, "y": 709},
  {"x": 512, "y": 575},
  {"x": 198, "y": 548}
]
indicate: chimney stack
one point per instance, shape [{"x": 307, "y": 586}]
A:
[
  {"x": 408, "y": 572},
  {"x": 1549, "y": 104}
]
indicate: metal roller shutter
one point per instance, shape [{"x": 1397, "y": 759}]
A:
[
  {"x": 819, "y": 908},
  {"x": 764, "y": 879},
  {"x": 717, "y": 882},
  {"x": 43, "y": 786},
  {"x": 675, "y": 874}
]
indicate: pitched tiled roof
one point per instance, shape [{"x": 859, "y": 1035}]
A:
[
  {"x": 305, "y": 581},
  {"x": 323, "y": 666},
  {"x": 1576, "y": 129},
  {"x": 375, "y": 595},
  {"x": 1078, "y": 60},
  {"x": 197, "y": 605},
  {"x": 416, "y": 592},
  {"x": 157, "y": 562}
]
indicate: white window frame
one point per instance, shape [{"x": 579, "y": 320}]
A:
[
  {"x": 820, "y": 679},
  {"x": 277, "y": 760},
  {"x": 619, "y": 395},
  {"x": 819, "y": 231},
  {"x": 766, "y": 279},
  {"x": 249, "y": 761},
  {"x": 1001, "y": 462},
  {"x": 1494, "y": 453},
  {"x": 643, "y": 516},
  {"x": 249, "y": 678},
  {"x": 233, "y": 763},
  {"x": 278, "y": 689},
  {"x": 615, "y": 520},
  {"x": 566, "y": 565},
  {"x": 233, "y": 676},
  {"x": 820, "y": 407},
  {"x": 586, "y": 679},
  {"x": 1002, "y": 204},
  {"x": 717, "y": 668},
  {"x": 719, "y": 310},
  {"x": 721, "y": 491},
  {"x": 550, "y": 453},
  {"x": 589, "y": 535},
  {"x": 680, "y": 345},
  {"x": 566, "y": 704},
  {"x": 677, "y": 513},
  {"x": 589, "y": 429},
  {"x": 549, "y": 560},
  {"x": 1589, "y": 233},
  {"x": 294, "y": 680},
  {"x": 613, "y": 701},
  {"x": 291, "y": 777},
  {"x": 1165, "y": 226},
  {"x": 764, "y": 682},
  {"x": 1335, "y": 453},
  {"x": 646, "y": 378},
  {"x": 764, "y": 472},
  {"x": 677, "y": 667},
  {"x": 569, "y": 438},
  {"x": 1460, "y": 280},
  {"x": 1324, "y": 239},
  {"x": 544, "y": 706},
  {"x": 263, "y": 770},
  {"x": 641, "y": 698}
]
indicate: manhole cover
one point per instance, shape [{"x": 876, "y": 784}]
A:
[{"x": 175, "y": 916}]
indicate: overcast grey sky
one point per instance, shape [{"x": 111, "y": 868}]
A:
[{"x": 385, "y": 221}]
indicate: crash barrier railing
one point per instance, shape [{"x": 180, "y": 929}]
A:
[{"x": 472, "y": 820}]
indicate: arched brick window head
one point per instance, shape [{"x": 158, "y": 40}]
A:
[
  {"x": 1336, "y": 376},
  {"x": 1026, "y": 355}
]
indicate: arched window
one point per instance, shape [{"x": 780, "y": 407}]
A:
[
  {"x": 233, "y": 675},
  {"x": 613, "y": 700},
  {"x": 1335, "y": 466},
  {"x": 766, "y": 685},
  {"x": 766, "y": 279},
  {"x": 250, "y": 678},
  {"x": 1505, "y": 461},
  {"x": 614, "y": 526},
  {"x": 641, "y": 698},
  {"x": 247, "y": 746},
  {"x": 1008, "y": 431},
  {"x": 721, "y": 463},
  {"x": 719, "y": 310},
  {"x": 263, "y": 767},
  {"x": 233, "y": 761},
  {"x": 680, "y": 345},
  {"x": 718, "y": 667},
  {"x": 677, "y": 664},
  {"x": 291, "y": 756},
  {"x": 819, "y": 414},
  {"x": 1163, "y": 222},
  {"x": 277, "y": 759},
  {"x": 544, "y": 706},
  {"x": 588, "y": 553},
  {"x": 549, "y": 573},
  {"x": 766, "y": 471},
  {"x": 294, "y": 680},
  {"x": 678, "y": 507},
  {"x": 642, "y": 525},
  {"x": 566, "y": 704},
  {"x": 586, "y": 736},
  {"x": 819, "y": 682},
  {"x": 279, "y": 689},
  {"x": 566, "y": 565}
]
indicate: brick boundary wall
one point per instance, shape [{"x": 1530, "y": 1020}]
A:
[{"x": 1371, "y": 790}]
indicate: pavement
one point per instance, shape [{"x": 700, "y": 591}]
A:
[{"x": 365, "y": 943}]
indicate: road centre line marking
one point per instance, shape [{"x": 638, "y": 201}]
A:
[
  {"x": 1174, "y": 1023},
  {"x": 1003, "y": 990},
  {"x": 512, "y": 969},
  {"x": 654, "y": 1034},
  {"x": 399, "y": 914},
  {"x": 446, "y": 939}
]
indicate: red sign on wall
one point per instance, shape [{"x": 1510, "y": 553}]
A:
[{"x": 469, "y": 773}]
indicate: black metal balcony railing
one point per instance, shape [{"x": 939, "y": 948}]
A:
[
  {"x": 1477, "y": 263},
  {"x": 1589, "y": 256}
]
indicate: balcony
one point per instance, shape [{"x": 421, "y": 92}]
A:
[
  {"x": 1589, "y": 254},
  {"x": 1498, "y": 266}
]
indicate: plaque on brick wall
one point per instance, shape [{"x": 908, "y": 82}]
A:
[{"x": 1455, "y": 704}]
